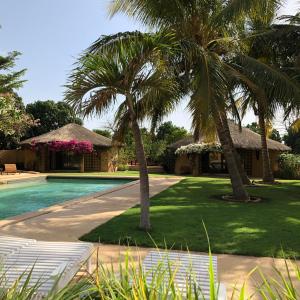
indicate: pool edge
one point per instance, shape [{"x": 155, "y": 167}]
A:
[{"x": 43, "y": 211}]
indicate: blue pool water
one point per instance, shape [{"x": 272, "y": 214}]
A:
[{"x": 18, "y": 198}]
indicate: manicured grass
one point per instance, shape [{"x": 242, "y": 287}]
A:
[
  {"x": 118, "y": 173},
  {"x": 260, "y": 229}
]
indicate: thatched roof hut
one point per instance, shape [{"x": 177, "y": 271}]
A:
[
  {"x": 71, "y": 132},
  {"x": 242, "y": 139}
]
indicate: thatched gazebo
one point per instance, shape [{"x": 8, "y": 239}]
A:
[
  {"x": 71, "y": 147},
  {"x": 190, "y": 158}
]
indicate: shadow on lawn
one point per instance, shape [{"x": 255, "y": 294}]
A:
[{"x": 261, "y": 229}]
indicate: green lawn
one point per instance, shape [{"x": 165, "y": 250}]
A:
[{"x": 260, "y": 229}]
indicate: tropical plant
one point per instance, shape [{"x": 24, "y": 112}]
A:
[
  {"x": 134, "y": 68},
  {"x": 265, "y": 97},
  {"x": 214, "y": 33},
  {"x": 208, "y": 32}
]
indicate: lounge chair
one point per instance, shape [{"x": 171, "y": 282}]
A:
[
  {"x": 10, "y": 169},
  {"x": 187, "y": 267},
  {"x": 53, "y": 264}
]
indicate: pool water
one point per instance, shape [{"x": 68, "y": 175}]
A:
[{"x": 18, "y": 198}]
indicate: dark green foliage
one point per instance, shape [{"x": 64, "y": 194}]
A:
[
  {"x": 259, "y": 229},
  {"x": 275, "y": 135},
  {"x": 155, "y": 145},
  {"x": 104, "y": 132},
  {"x": 51, "y": 115},
  {"x": 170, "y": 133},
  {"x": 292, "y": 139},
  {"x": 289, "y": 166}
]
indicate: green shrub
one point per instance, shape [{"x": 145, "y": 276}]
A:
[
  {"x": 123, "y": 167},
  {"x": 289, "y": 166}
]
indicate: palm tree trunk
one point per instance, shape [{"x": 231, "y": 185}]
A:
[
  {"x": 239, "y": 191},
  {"x": 268, "y": 176},
  {"x": 237, "y": 157},
  {"x": 144, "y": 178}
]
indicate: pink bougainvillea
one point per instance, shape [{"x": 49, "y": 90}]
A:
[
  {"x": 75, "y": 146},
  {"x": 72, "y": 146}
]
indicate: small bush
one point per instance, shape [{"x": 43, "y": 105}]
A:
[
  {"x": 289, "y": 166},
  {"x": 122, "y": 167}
]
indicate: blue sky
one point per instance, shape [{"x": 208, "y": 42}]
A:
[{"x": 51, "y": 33}]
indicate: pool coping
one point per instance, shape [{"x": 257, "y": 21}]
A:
[{"x": 46, "y": 210}]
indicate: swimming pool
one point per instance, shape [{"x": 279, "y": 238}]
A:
[{"x": 28, "y": 196}]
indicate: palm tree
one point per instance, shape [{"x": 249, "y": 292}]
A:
[
  {"x": 202, "y": 27},
  {"x": 130, "y": 65},
  {"x": 210, "y": 32},
  {"x": 263, "y": 97}
]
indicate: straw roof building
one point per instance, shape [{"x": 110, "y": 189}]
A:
[
  {"x": 42, "y": 158},
  {"x": 248, "y": 144}
]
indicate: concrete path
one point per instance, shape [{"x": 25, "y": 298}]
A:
[{"x": 70, "y": 222}]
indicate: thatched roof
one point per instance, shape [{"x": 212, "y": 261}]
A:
[
  {"x": 71, "y": 132},
  {"x": 242, "y": 139}
]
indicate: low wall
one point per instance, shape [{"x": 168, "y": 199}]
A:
[
  {"x": 151, "y": 169},
  {"x": 12, "y": 156}
]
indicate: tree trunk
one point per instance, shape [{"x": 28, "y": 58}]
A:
[
  {"x": 144, "y": 178},
  {"x": 237, "y": 157},
  {"x": 268, "y": 176},
  {"x": 239, "y": 191}
]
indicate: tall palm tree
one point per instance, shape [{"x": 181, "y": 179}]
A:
[
  {"x": 211, "y": 32},
  {"x": 204, "y": 28},
  {"x": 263, "y": 98},
  {"x": 130, "y": 65}
]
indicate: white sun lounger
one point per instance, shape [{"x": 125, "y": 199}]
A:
[
  {"x": 188, "y": 268},
  {"x": 53, "y": 264}
]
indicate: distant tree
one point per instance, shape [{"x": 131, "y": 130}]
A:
[
  {"x": 10, "y": 80},
  {"x": 170, "y": 133},
  {"x": 12, "y": 110},
  {"x": 105, "y": 132},
  {"x": 51, "y": 115},
  {"x": 13, "y": 119},
  {"x": 272, "y": 133}
]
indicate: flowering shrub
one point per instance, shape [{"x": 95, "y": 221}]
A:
[
  {"x": 78, "y": 147},
  {"x": 198, "y": 148}
]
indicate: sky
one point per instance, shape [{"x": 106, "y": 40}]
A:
[{"x": 51, "y": 33}]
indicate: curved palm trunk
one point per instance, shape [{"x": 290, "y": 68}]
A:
[
  {"x": 239, "y": 191},
  {"x": 144, "y": 178},
  {"x": 268, "y": 176},
  {"x": 237, "y": 157}
]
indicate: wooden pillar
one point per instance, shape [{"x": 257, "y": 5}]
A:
[
  {"x": 82, "y": 164},
  {"x": 196, "y": 164}
]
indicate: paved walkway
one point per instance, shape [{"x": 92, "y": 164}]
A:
[
  {"x": 71, "y": 222},
  {"x": 4, "y": 177}
]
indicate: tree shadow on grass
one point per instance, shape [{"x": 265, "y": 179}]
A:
[{"x": 261, "y": 229}]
